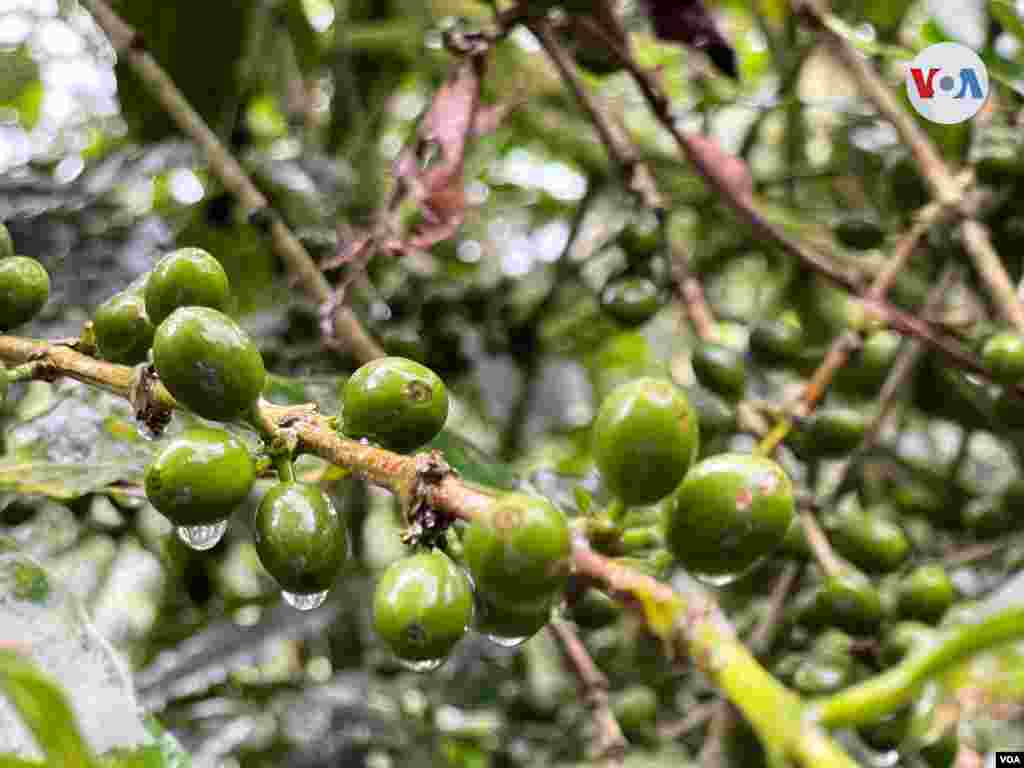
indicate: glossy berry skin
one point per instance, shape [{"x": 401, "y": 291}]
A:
[
  {"x": 594, "y": 609},
  {"x": 508, "y": 620},
  {"x": 423, "y": 606},
  {"x": 631, "y": 300},
  {"x": 123, "y": 330},
  {"x": 518, "y": 554},
  {"x": 24, "y": 289},
  {"x": 729, "y": 511},
  {"x": 816, "y": 676},
  {"x": 6, "y": 244},
  {"x": 395, "y": 402},
  {"x": 777, "y": 343},
  {"x": 859, "y": 232},
  {"x": 645, "y": 438},
  {"x": 905, "y": 637},
  {"x": 1003, "y": 355},
  {"x": 200, "y": 476},
  {"x": 989, "y": 516},
  {"x": 301, "y": 539},
  {"x": 640, "y": 240},
  {"x": 635, "y": 708},
  {"x": 721, "y": 369},
  {"x": 870, "y": 364},
  {"x": 926, "y": 593},
  {"x": 831, "y": 431},
  {"x": 208, "y": 362},
  {"x": 624, "y": 357},
  {"x": 848, "y": 600},
  {"x": 187, "y": 277},
  {"x": 869, "y": 540}
]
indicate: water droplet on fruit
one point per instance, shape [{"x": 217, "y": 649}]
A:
[
  {"x": 724, "y": 579},
  {"x": 717, "y": 579},
  {"x": 425, "y": 665},
  {"x": 507, "y": 642},
  {"x": 202, "y": 537},
  {"x": 305, "y": 602}
]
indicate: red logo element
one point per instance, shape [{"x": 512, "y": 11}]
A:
[{"x": 924, "y": 86}]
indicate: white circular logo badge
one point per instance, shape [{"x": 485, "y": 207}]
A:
[{"x": 947, "y": 83}]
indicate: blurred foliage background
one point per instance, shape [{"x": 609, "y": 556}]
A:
[{"x": 317, "y": 98}]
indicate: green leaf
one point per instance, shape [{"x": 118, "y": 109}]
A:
[
  {"x": 45, "y": 712},
  {"x": 62, "y": 481},
  {"x": 473, "y": 464}
]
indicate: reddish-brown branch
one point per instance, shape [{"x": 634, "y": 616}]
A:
[
  {"x": 229, "y": 172},
  {"x": 610, "y": 748}
]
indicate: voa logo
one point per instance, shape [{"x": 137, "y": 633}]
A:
[{"x": 947, "y": 83}]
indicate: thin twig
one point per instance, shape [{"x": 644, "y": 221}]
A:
[
  {"x": 637, "y": 175},
  {"x": 688, "y": 622},
  {"x": 764, "y": 634},
  {"x": 895, "y": 382},
  {"x": 723, "y": 720},
  {"x": 947, "y": 189},
  {"x": 831, "y": 564},
  {"x": 610, "y": 748},
  {"x": 129, "y": 44},
  {"x": 848, "y": 342},
  {"x": 697, "y": 717}
]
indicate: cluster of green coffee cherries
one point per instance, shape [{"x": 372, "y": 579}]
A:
[{"x": 507, "y": 569}]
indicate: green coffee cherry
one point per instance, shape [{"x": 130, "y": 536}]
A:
[
  {"x": 208, "y": 362},
  {"x": 594, "y": 609},
  {"x": 850, "y": 601},
  {"x": 714, "y": 415},
  {"x": 395, "y": 402},
  {"x": 720, "y": 368},
  {"x": 519, "y": 554},
  {"x": 635, "y": 709},
  {"x": 422, "y": 607},
  {"x": 4, "y": 384},
  {"x": 301, "y": 539},
  {"x": 795, "y": 543},
  {"x": 886, "y": 734},
  {"x": 200, "y": 476},
  {"x": 631, "y": 300},
  {"x": 187, "y": 277},
  {"x": 831, "y": 431},
  {"x": 123, "y": 331},
  {"x": 24, "y": 289},
  {"x": 6, "y": 244},
  {"x": 903, "y": 638},
  {"x": 989, "y": 516},
  {"x": 834, "y": 645},
  {"x": 645, "y": 438},
  {"x": 926, "y": 593},
  {"x": 778, "y": 342},
  {"x": 869, "y": 366},
  {"x": 869, "y": 540},
  {"x": 1003, "y": 355},
  {"x": 860, "y": 232},
  {"x": 640, "y": 239},
  {"x": 915, "y": 499},
  {"x": 817, "y": 677},
  {"x": 624, "y": 357},
  {"x": 730, "y": 510},
  {"x": 510, "y": 624}
]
